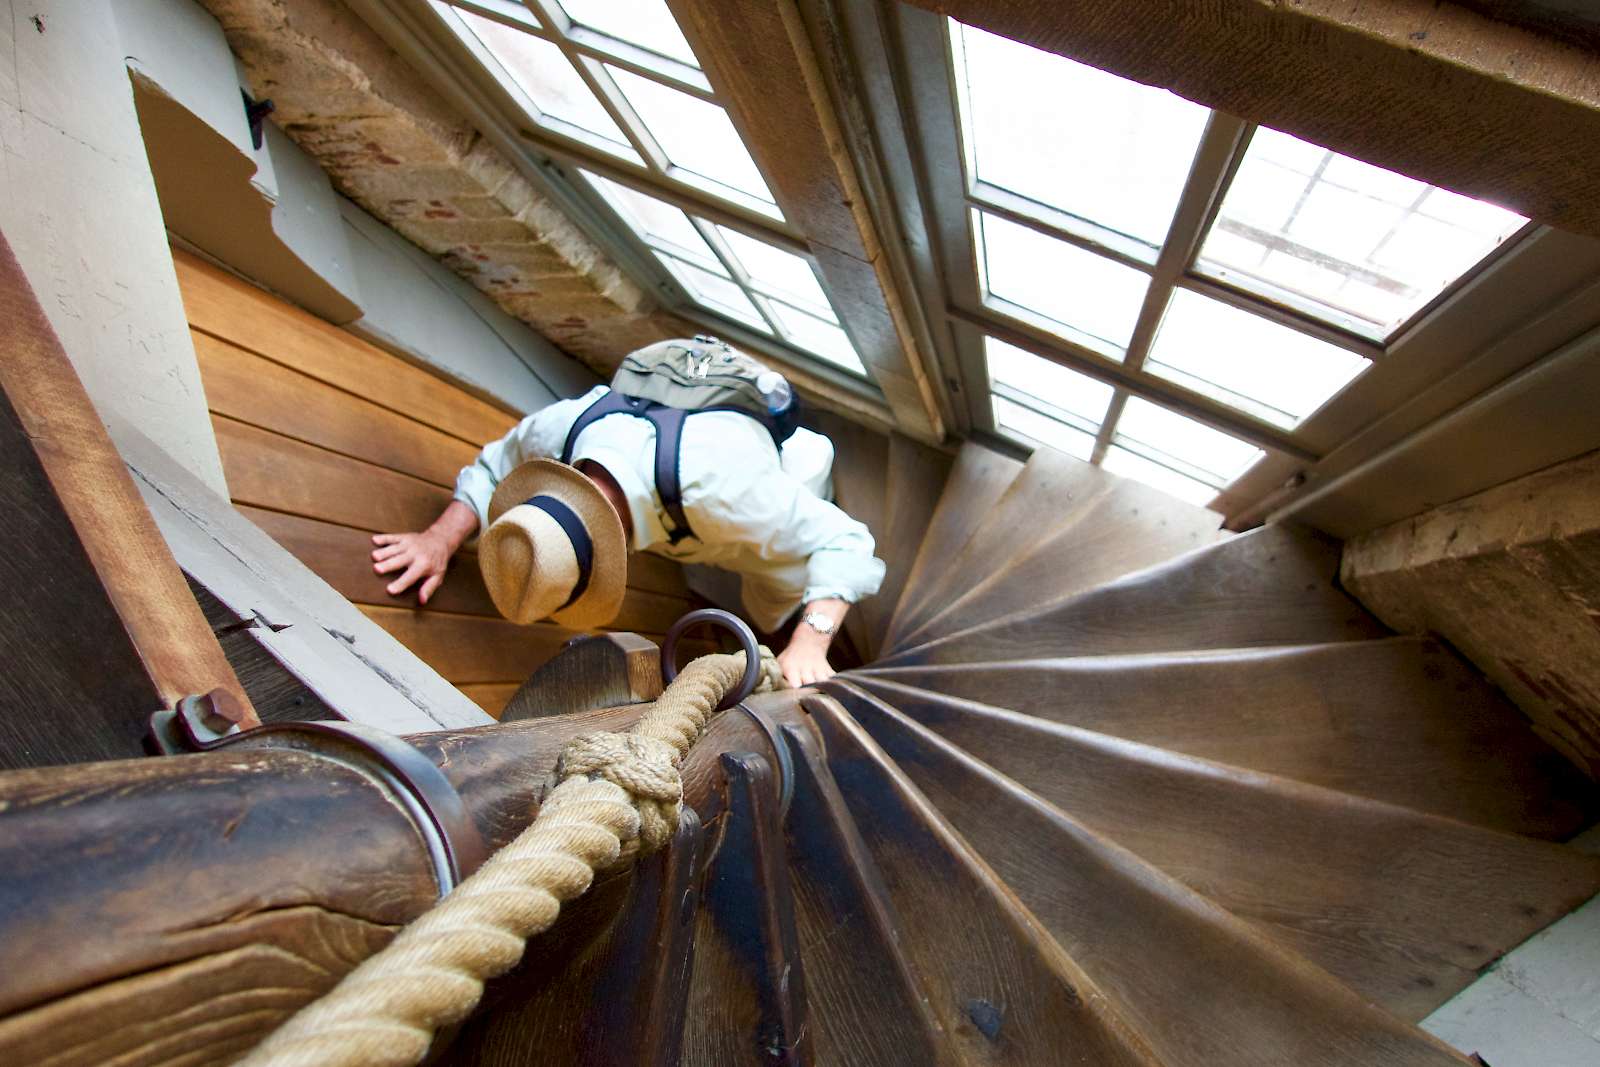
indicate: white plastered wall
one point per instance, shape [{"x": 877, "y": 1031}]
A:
[{"x": 78, "y": 207}]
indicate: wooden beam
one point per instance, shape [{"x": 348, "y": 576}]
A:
[
  {"x": 760, "y": 60},
  {"x": 146, "y": 590},
  {"x": 1435, "y": 91}
]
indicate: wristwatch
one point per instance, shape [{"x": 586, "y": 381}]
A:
[{"x": 819, "y": 622}]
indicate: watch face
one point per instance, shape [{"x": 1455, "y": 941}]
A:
[{"x": 818, "y": 622}]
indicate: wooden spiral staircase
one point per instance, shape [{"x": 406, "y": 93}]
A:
[{"x": 1115, "y": 791}]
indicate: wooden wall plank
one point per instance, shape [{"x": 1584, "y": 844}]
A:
[
  {"x": 491, "y": 696},
  {"x": 471, "y": 648},
  {"x": 342, "y": 557},
  {"x": 267, "y": 395},
  {"x": 326, "y": 440},
  {"x": 233, "y": 310},
  {"x": 268, "y": 470}
]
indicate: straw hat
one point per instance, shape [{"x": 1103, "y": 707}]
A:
[{"x": 554, "y": 547}]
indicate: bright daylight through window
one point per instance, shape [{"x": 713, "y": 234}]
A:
[
  {"x": 612, "y": 86},
  {"x": 1107, "y": 233}
]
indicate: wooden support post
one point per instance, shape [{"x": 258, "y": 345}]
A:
[{"x": 99, "y": 628}]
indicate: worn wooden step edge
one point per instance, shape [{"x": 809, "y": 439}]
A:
[
  {"x": 1397, "y": 719},
  {"x": 1405, "y": 907},
  {"x": 1052, "y": 492},
  {"x": 747, "y": 999},
  {"x": 1125, "y": 529},
  {"x": 912, "y": 484},
  {"x": 1142, "y": 935},
  {"x": 1273, "y": 585},
  {"x": 870, "y": 1003},
  {"x": 977, "y": 479},
  {"x": 1000, "y": 982}
]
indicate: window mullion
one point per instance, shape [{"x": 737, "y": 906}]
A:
[
  {"x": 740, "y": 276},
  {"x": 603, "y": 88},
  {"x": 672, "y": 190},
  {"x": 1108, "y": 426},
  {"x": 1222, "y": 146}
]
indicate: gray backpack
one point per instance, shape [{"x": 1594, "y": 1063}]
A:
[{"x": 670, "y": 380}]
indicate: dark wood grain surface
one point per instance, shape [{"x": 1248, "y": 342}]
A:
[
  {"x": 1201, "y": 986},
  {"x": 1398, "y": 719},
  {"x": 1404, "y": 907}
]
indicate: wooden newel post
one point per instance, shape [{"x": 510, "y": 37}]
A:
[{"x": 192, "y": 902}]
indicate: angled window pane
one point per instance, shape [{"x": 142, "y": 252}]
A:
[
  {"x": 818, "y": 337},
  {"x": 1064, "y": 134},
  {"x": 1190, "y": 447},
  {"x": 1274, "y": 372},
  {"x": 538, "y": 68},
  {"x": 1031, "y": 427},
  {"x": 778, "y": 273},
  {"x": 1075, "y": 393},
  {"x": 646, "y": 23},
  {"x": 715, "y": 292},
  {"x": 1132, "y": 465},
  {"x": 694, "y": 134},
  {"x": 658, "y": 223},
  {"x": 1348, "y": 238},
  {"x": 1086, "y": 293}
]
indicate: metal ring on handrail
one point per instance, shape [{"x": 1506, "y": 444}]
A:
[{"x": 734, "y": 625}]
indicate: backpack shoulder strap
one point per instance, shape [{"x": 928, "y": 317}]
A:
[
  {"x": 668, "y": 422},
  {"x": 612, "y": 403},
  {"x": 669, "y": 445}
]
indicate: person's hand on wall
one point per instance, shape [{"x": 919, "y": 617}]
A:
[
  {"x": 805, "y": 661},
  {"x": 423, "y": 556}
]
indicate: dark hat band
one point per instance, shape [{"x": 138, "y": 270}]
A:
[{"x": 577, "y": 533}]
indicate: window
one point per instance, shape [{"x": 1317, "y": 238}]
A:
[
  {"x": 1220, "y": 283},
  {"x": 614, "y": 90}
]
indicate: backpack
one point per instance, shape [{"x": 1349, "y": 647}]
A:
[{"x": 671, "y": 380}]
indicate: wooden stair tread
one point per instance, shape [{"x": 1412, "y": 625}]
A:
[
  {"x": 860, "y": 471},
  {"x": 1001, "y": 986},
  {"x": 911, "y": 487},
  {"x": 1404, "y": 907},
  {"x": 1140, "y": 934},
  {"x": 866, "y": 1001},
  {"x": 1127, "y": 528},
  {"x": 618, "y": 999},
  {"x": 1052, "y": 490},
  {"x": 1271, "y": 586},
  {"x": 1400, "y": 719},
  {"x": 747, "y": 998},
  {"x": 977, "y": 480}
]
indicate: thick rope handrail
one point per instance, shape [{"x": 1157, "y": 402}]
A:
[{"x": 611, "y": 798}]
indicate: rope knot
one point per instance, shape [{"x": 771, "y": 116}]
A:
[{"x": 646, "y": 768}]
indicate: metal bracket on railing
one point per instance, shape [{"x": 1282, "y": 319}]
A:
[
  {"x": 734, "y": 625},
  {"x": 455, "y": 846},
  {"x": 747, "y": 685}
]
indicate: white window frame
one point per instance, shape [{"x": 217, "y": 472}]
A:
[
  {"x": 951, "y": 192},
  {"x": 559, "y": 150}
]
